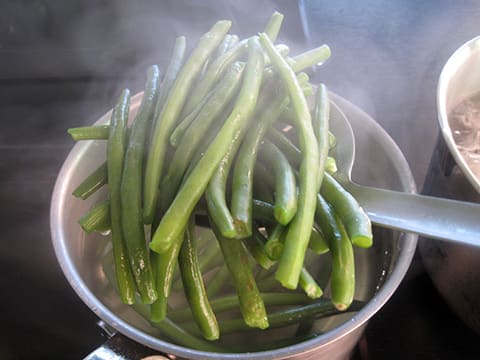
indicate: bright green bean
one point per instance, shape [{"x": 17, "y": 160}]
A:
[
  {"x": 188, "y": 146},
  {"x": 194, "y": 186},
  {"x": 273, "y": 26},
  {"x": 92, "y": 182},
  {"x": 164, "y": 269},
  {"x": 298, "y": 235},
  {"x": 309, "y": 285},
  {"x": 94, "y": 132},
  {"x": 255, "y": 245},
  {"x": 171, "y": 111},
  {"x": 97, "y": 218},
  {"x": 321, "y": 120},
  {"x": 356, "y": 221},
  {"x": 285, "y": 184}
]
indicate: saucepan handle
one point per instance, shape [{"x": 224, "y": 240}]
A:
[{"x": 119, "y": 347}]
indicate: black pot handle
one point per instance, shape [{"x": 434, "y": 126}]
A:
[{"x": 120, "y": 347}]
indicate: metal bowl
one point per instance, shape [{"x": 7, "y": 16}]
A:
[
  {"x": 454, "y": 268},
  {"x": 379, "y": 269}
]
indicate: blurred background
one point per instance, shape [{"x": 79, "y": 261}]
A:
[{"x": 62, "y": 64}]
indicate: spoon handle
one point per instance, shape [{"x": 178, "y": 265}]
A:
[{"x": 432, "y": 217}]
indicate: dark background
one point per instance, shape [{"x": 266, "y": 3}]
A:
[{"x": 63, "y": 63}]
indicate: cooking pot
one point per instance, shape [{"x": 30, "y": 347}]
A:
[
  {"x": 379, "y": 269},
  {"x": 454, "y": 268}
]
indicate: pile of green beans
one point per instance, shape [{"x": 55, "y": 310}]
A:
[{"x": 207, "y": 177}]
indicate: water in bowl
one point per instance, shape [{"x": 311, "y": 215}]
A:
[{"x": 465, "y": 124}]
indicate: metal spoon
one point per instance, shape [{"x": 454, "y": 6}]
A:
[{"x": 432, "y": 217}]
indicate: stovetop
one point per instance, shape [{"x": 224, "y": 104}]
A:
[{"x": 61, "y": 65}]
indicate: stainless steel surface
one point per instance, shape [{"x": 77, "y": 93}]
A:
[
  {"x": 379, "y": 270},
  {"x": 454, "y": 268},
  {"x": 433, "y": 217}
]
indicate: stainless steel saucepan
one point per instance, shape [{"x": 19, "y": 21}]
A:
[
  {"x": 454, "y": 268},
  {"x": 379, "y": 269}
]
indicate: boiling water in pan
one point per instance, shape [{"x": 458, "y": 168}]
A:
[{"x": 465, "y": 124}]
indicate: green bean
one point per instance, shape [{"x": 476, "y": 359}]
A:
[
  {"x": 330, "y": 165},
  {"x": 217, "y": 282},
  {"x": 180, "y": 129},
  {"x": 131, "y": 191},
  {"x": 218, "y": 66},
  {"x": 321, "y": 128},
  {"x": 213, "y": 73},
  {"x": 285, "y": 183},
  {"x": 209, "y": 259},
  {"x": 309, "y": 285},
  {"x": 164, "y": 268},
  {"x": 309, "y": 58},
  {"x": 274, "y": 245},
  {"x": 298, "y": 235},
  {"x": 97, "y": 218},
  {"x": 318, "y": 244},
  {"x": 230, "y": 302},
  {"x": 262, "y": 210},
  {"x": 273, "y": 26},
  {"x": 194, "y": 186},
  {"x": 183, "y": 337},
  {"x": 115, "y": 155},
  {"x": 94, "y": 132},
  {"x": 319, "y": 309},
  {"x": 194, "y": 287},
  {"x": 236, "y": 259},
  {"x": 356, "y": 221},
  {"x": 343, "y": 268},
  {"x": 171, "y": 111},
  {"x": 92, "y": 182},
  {"x": 190, "y": 141},
  {"x": 242, "y": 180},
  {"x": 255, "y": 245},
  {"x": 222, "y": 48}
]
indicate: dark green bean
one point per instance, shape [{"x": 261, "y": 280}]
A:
[
  {"x": 94, "y": 132},
  {"x": 343, "y": 268},
  {"x": 194, "y": 186},
  {"x": 170, "y": 112},
  {"x": 298, "y": 235},
  {"x": 217, "y": 282},
  {"x": 115, "y": 155},
  {"x": 236, "y": 259},
  {"x": 92, "y": 182},
  {"x": 319, "y": 309},
  {"x": 194, "y": 287},
  {"x": 131, "y": 191},
  {"x": 230, "y": 302}
]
